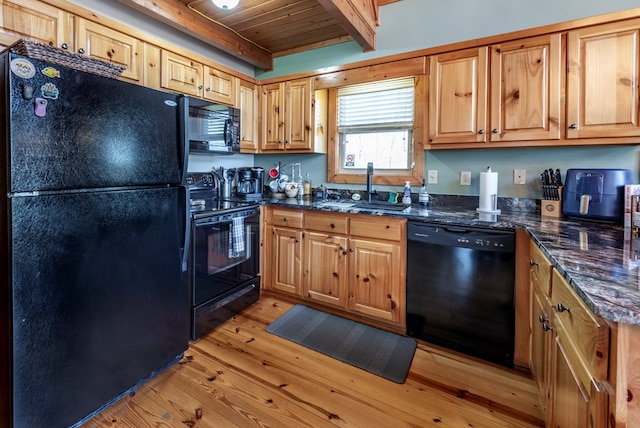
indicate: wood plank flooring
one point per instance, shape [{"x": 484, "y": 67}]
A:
[{"x": 242, "y": 376}]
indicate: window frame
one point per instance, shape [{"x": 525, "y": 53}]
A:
[{"x": 380, "y": 177}]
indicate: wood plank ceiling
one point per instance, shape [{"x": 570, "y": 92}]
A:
[{"x": 259, "y": 30}]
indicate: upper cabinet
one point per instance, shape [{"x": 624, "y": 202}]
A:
[
  {"x": 602, "y": 85},
  {"x": 219, "y": 86},
  {"x": 37, "y": 21},
  {"x": 289, "y": 117},
  {"x": 458, "y": 97},
  {"x": 526, "y": 96},
  {"x": 109, "y": 45},
  {"x": 181, "y": 74},
  {"x": 247, "y": 102}
]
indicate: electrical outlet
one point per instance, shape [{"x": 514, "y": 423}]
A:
[
  {"x": 432, "y": 176},
  {"x": 519, "y": 176},
  {"x": 465, "y": 178}
]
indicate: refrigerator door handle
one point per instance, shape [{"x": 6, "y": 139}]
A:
[
  {"x": 187, "y": 231},
  {"x": 183, "y": 138}
]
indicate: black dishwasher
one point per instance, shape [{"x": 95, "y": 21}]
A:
[{"x": 460, "y": 289}]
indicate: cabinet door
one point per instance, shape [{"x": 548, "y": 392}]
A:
[
  {"x": 525, "y": 89},
  {"x": 273, "y": 117},
  {"x": 602, "y": 85},
  {"x": 151, "y": 66},
  {"x": 109, "y": 45},
  {"x": 248, "y": 105},
  {"x": 299, "y": 115},
  {"x": 325, "y": 271},
  {"x": 286, "y": 260},
  {"x": 458, "y": 97},
  {"x": 541, "y": 341},
  {"x": 219, "y": 86},
  {"x": 570, "y": 399},
  {"x": 34, "y": 20},
  {"x": 375, "y": 279},
  {"x": 181, "y": 74}
]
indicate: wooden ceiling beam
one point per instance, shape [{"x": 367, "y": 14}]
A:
[
  {"x": 360, "y": 22},
  {"x": 179, "y": 16}
]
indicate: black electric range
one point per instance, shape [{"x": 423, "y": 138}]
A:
[{"x": 224, "y": 255}]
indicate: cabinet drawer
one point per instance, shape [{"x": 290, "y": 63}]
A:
[
  {"x": 377, "y": 227},
  {"x": 541, "y": 268},
  {"x": 285, "y": 217},
  {"x": 588, "y": 334},
  {"x": 330, "y": 223}
]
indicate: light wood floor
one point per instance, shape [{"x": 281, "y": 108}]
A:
[{"x": 242, "y": 376}]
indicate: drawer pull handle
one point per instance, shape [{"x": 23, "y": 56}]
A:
[
  {"x": 546, "y": 327},
  {"x": 533, "y": 263},
  {"x": 562, "y": 308}
]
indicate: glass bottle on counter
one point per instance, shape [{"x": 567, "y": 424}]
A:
[{"x": 306, "y": 185}]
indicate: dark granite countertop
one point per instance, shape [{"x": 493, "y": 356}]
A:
[{"x": 600, "y": 261}]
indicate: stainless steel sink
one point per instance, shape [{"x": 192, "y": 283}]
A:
[{"x": 381, "y": 205}]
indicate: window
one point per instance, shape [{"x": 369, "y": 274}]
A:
[{"x": 375, "y": 123}]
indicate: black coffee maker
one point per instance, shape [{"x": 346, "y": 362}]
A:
[{"x": 250, "y": 183}]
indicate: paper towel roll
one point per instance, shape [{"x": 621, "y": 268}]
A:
[{"x": 488, "y": 200}]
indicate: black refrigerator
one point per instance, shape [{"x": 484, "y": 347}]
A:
[{"x": 93, "y": 292}]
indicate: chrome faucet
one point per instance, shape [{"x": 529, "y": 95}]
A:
[{"x": 369, "y": 180}]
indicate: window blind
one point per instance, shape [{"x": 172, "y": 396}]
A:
[{"x": 387, "y": 104}]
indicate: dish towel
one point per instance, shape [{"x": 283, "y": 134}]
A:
[{"x": 236, "y": 238}]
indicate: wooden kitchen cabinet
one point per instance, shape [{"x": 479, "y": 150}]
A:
[
  {"x": 284, "y": 257},
  {"x": 569, "y": 351},
  {"x": 37, "y": 21},
  {"x": 181, "y": 74},
  {"x": 602, "y": 82},
  {"x": 458, "y": 85},
  {"x": 247, "y": 102},
  {"x": 219, "y": 86},
  {"x": 541, "y": 327},
  {"x": 288, "y": 117},
  {"x": 109, "y": 45},
  {"x": 526, "y": 89},
  {"x": 354, "y": 263}
]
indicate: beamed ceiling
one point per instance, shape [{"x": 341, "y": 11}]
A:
[{"x": 257, "y": 31}]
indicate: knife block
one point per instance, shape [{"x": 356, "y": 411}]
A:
[{"x": 552, "y": 207}]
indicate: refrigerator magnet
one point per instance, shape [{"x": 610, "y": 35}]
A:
[
  {"x": 22, "y": 67},
  {"x": 49, "y": 90},
  {"x": 50, "y": 72}
]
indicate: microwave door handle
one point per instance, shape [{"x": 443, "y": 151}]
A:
[{"x": 228, "y": 131}]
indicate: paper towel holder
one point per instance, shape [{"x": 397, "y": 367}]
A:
[{"x": 492, "y": 196}]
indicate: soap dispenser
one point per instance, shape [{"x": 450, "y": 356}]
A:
[
  {"x": 406, "y": 197},
  {"x": 423, "y": 197}
]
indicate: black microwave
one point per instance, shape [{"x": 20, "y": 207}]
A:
[{"x": 213, "y": 128}]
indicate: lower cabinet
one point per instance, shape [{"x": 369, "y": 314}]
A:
[
  {"x": 351, "y": 262},
  {"x": 569, "y": 351}
]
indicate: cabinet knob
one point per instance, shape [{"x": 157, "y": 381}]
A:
[
  {"x": 341, "y": 247},
  {"x": 351, "y": 250},
  {"x": 285, "y": 219},
  {"x": 287, "y": 142},
  {"x": 573, "y": 126},
  {"x": 495, "y": 130},
  {"x": 542, "y": 319},
  {"x": 208, "y": 89},
  {"x": 296, "y": 240},
  {"x": 81, "y": 50},
  {"x": 64, "y": 46},
  {"x": 481, "y": 131},
  {"x": 199, "y": 86},
  {"x": 533, "y": 263},
  {"x": 546, "y": 327},
  {"x": 563, "y": 308}
]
